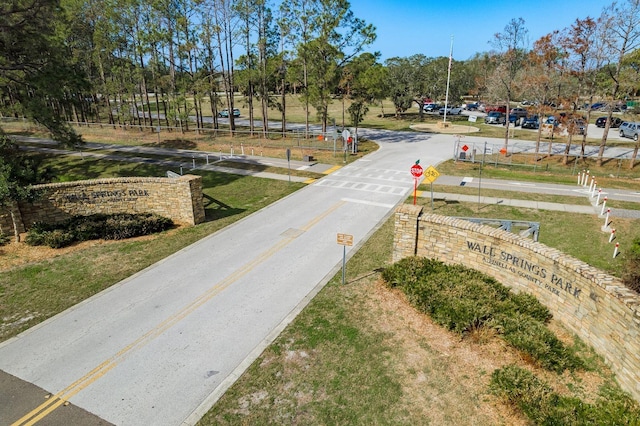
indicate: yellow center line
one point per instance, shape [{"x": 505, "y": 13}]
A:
[
  {"x": 331, "y": 170},
  {"x": 64, "y": 395}
]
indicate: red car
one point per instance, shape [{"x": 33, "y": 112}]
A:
[{"x": 499, "y": 108}]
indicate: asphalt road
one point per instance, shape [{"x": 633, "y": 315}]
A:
[{"x": 160, "y": 347}]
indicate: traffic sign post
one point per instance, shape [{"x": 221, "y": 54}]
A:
[
  {"x": 346, "y": 134},
  {"x": 344, "y": 240},
  {"x": 430, "y": 175},
  {"x": 416, "y": 171}
]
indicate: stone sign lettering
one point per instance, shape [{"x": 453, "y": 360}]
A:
[
  {"x": 105, "y": 196},
  {"x": 524, "y": 268}
]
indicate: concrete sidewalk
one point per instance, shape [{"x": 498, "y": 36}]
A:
[
  {"x": 529, "y": 204},
  {"x": 540, "y": 205}
]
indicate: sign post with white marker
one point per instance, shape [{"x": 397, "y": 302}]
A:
[
  {"x": 344, "y": 240},
  {"x": 289, "y": 163},
  {"x": 346, "y": 134}
]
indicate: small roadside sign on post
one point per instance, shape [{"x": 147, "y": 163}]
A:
[
  {"x": 430, "y": 175},
  {"x": 344, "y": 240}
]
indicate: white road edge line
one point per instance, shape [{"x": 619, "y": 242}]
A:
[{"x": 369, "y": 203}]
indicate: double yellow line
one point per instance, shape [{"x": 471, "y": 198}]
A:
[{"x": 64, "y": 395}]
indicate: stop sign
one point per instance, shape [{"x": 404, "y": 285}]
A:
[{"x": 416, "y": 170}]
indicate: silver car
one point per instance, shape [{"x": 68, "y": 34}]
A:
[
  {"x": 495, "y": 117},
  {"x": 629, "y": 130},
  {"x": 451, "y": 110}
]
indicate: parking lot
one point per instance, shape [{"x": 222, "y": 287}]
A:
[{"x": 593, "y": 132}]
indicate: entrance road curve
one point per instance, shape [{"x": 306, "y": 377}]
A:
[{"x": 160, "y": 347}]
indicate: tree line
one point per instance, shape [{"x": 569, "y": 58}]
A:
[{"x": 163, "y": 62}]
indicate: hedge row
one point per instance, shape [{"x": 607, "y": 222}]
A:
[
  {"x": 97, "y": 226},
  {"x": 463, "y": 299},
  {"x": 543, "y": 406}
]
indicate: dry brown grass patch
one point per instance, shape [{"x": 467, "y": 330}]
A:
[{"x": 441, "y": 373}]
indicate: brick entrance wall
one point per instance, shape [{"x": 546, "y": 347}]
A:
[
  {"x": 179, "y": 199},
  {"x": 595, "y": 306}
]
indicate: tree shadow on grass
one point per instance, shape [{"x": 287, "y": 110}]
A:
[
  {"x": 445, "y": 203},
  {"x": 215, "y": 209},
  {"x": 173, "y": 143}
]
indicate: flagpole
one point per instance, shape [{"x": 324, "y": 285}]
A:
[{"x": 446, "y": 99}]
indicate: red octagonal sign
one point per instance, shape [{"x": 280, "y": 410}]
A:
[{"x": 416, "y": 170}]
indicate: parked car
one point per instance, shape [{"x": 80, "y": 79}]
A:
[
  {"x": 630, "y": 130},
  {"x": 452, "y": 110},
  {"x": 225, "y": 113},
  {"x": 499, "y": 108},
  {"x": 472, "y": 106},
  {"x": 519, "y": 112},
  {"x": 598, "y": 106},
  {"x": 602, "y": 121},
  {"x": 577, "y": 126},
  {"x": 513, "y": 118},
  {"x": 531, "y": 122},
  {"x": 495, "y": 117},
  {"x": 430, "y": 107},
  {"x": 552, "y": 120},
  {"x": 619, "y": 107}
]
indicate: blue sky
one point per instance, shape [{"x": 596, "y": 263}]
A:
[{"x": 406, "y": 27}]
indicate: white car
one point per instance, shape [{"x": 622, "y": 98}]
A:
[
  {"x": 451, "y": 110},
  {"x": 629, "y": 130}
]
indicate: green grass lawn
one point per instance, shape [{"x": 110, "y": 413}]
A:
[
  {"x": 31, "y": 293},
  {"x": 355, "y": 355}
]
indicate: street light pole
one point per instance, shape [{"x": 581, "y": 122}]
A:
[{"x": 446, "y": 99}]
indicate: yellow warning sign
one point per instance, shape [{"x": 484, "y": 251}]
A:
[{"x": 431, "y": 174}]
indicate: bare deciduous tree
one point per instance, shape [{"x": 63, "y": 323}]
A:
[
  {"x": 511, "y": 44},
  {"x": 620, "y": 24}
]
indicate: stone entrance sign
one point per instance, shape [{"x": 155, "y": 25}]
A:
[{"x": 595, "y": 306}]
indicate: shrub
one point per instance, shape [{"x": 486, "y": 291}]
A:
[
  {"x": 4, "y": 239},
  {"x": 519, "y": 386},
  {"x": 631, "y": 275},
  {"x": 532, "y": 337},
  {"x": 542, "y": 405},
  {"x": 124, "y": 226},
  {"x": 528, "y": 305},
  {"x": 37, "y": 232},
  {"x": 463, "y": 300},
  {"x": 409, "y": 270},
  {"x": 83, "y": 228},
  {"x": 87, "y": 227},
  {"x": 58, "y": 238}
]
